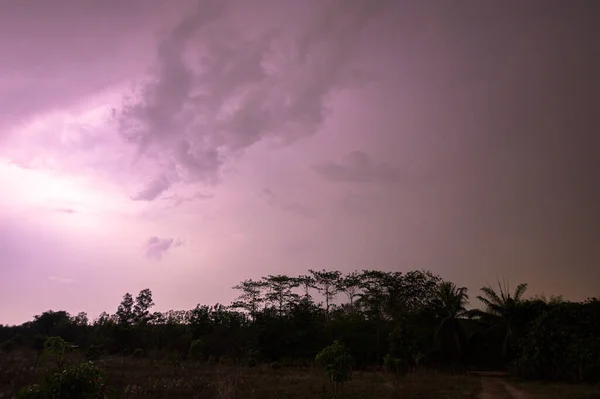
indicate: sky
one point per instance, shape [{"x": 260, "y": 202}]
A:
[{"x": 185, "y": 146}]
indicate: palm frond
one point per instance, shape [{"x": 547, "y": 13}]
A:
[
  {"x": 520, "y": 291},
  {"x": 491, "y": 296}
]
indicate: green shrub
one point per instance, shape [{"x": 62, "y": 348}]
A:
[
  {"x": 337, "y": 363},
  {"x": 57, "y": 348},
  {"x": 84, "y": 381}
]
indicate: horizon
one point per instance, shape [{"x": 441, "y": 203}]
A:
[{"x": 188, "y": 147}]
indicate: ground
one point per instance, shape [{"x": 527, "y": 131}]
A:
[{"x": 148, "y": 378}]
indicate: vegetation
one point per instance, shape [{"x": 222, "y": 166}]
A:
[
  {"x": 337, "y": 363},
  {"x": 387, "y": 324}
]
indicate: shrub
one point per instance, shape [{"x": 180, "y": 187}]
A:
[
  {"x": 57, "y": 348},
  {"x": 337, "y": 362},
  {"x": 84, "y": 381}
]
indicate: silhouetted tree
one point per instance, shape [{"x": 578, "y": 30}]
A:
[
  {"x": 143, "y": 304},
  {"x": 327, "y": 283},
  {"x": 124, "y": 313},
  {"x": 500, "y": 309}
]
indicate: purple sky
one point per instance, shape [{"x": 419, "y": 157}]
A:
[{"x": 185, "y": 146}]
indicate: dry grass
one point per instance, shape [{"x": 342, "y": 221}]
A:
[
  {"x": 145, "y": 378},
  {"x": 559, "y": 391}
]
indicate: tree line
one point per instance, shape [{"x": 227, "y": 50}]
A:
[{"x": 400, "y": 321}]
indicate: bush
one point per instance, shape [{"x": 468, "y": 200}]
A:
[
  {"x": 337, "y": 362},
  {"x": 57, "y": 348},
  {"x": 84, "y": 381},
  {"x": 562, "y": 344}
]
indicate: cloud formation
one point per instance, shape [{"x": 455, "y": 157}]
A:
[
  {"x": 156, "y": 247},
  {"x": 239, "y": 89},
  {"x": 356, "y": 167}
]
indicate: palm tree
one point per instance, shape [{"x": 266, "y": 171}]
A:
[
  {"x": 450, "y": 304},
  {"x": 500, "y": 308}
]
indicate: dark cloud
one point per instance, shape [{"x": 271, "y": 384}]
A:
[
  {"x": 292, "y": 207},
  {"x": 274, "y": 84},
  {"x": 157, "y": 247},
  {"x": 358, "y": 167}
]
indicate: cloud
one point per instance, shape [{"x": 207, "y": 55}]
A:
[
  {"x": 153, "y": 190},
  {"x": 358, "y": 167},
  {"x": 246, "y": 88},
  {"x": 292, "y": 207},
  {"x": 157, "y": 247}
]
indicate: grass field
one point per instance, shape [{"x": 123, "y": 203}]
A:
[
  {"x": 147, "y": 378},
  {"x": 558, "y": 391}
]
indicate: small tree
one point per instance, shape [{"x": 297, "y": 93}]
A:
[
  {"x": 57, "y": 348},
  {"x": 337, "y": 363}
]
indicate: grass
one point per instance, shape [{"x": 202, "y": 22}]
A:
[
  {"x": 146, "y": 378},
  {"x": 559, "y": 391}
]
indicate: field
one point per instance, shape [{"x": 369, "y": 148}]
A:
[
  {"x": 146, "y": 378},
  {"x": 153, "y": 378}
]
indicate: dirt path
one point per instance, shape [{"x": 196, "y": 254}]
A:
[{"x": 496, "y": 388}]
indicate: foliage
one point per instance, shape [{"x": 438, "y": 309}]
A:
[
  {"x": 83, "y": 381},
  {"x": 563, "y": 344},
  {"x": 414, "y": 318},
  {"x": 57, "y": 348},
  {"x": 335, "y": 359}
]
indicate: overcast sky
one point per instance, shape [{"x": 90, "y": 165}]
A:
[{"x": 185, "y": 146}]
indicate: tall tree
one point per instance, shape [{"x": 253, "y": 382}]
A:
[
  {"x": 81, "y": 319},
  {"x": 251, "y": 296},
  {"x": 350, "y": 285},
  {"x": 450, "y": 305},
  {"x": 306, "y": 283},
  {"x": 125, "y": 310},
  {"x": 500, "y": 308},
  {"x": 279, "y": 291},
  {"x": 143, "y": 304},
  {"x": 327, "y": 283}
]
